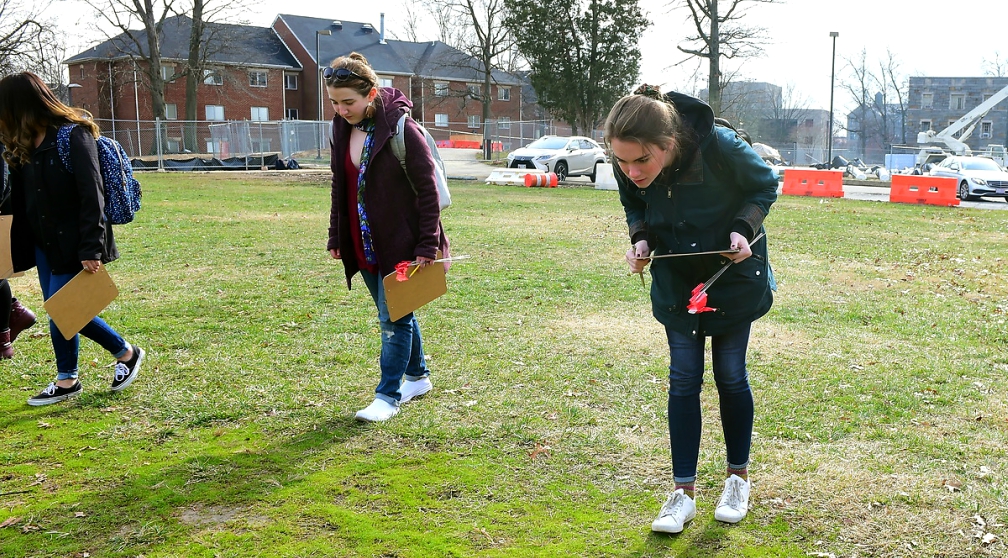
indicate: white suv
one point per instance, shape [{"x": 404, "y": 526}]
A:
[{"x": 563, "y": 155}]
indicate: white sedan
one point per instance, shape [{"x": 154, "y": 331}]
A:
[{"x": 976, "y": 176}]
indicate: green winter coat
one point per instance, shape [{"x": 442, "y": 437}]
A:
[{"x": 723, "y": 187}]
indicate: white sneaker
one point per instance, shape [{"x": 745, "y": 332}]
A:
[
  {"x": 377, "y": 411},
  {"x": 734, "y": 502},
  {"x": 677, "y": 511},
  {"x": 414, "y": 388}
]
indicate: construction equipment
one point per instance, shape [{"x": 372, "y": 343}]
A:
[{"x": 952, "y": 140}]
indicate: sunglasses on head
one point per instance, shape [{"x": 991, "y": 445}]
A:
[{"x": 332, "y": 75}]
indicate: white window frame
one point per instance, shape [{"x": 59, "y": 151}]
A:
[
  {"x": 291, "y": 114},
  {"x": 927, "y": 100},
  {"x": 474, "y": 90},
  {"x": 986, "y": 129},
  {"x": 504, "y": 123},
  {"x": 171, "y": 111},
  {"x": 441, "y": 120},
  {"x": 213, "y": 77},
  {"x": 473, "y": 121},
  {"x": 259, "y": 114},
  {"x": 955, "y": 134},
  {"x": 957, "y": 101},
  {"x": 925, "y": 125},
  {"x": 503, "y": 93},
  {"x": 441, "y": 88},
  {"x": 290, "y": 82},
  {"x": 384, "y": 82},
  {"x": 168, "y": 72},
  {"x": 254, "y": 78},
  {"x": 213, "y": 110}
]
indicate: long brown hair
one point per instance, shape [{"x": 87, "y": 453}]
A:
[
  {"x": 28, "y": 107},
  {"x": 647, "y": 119}
]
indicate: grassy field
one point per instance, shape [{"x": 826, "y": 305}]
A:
[{"x": 879, "y": 377}]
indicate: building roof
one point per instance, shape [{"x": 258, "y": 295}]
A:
[
  {"x": 429, "y": 59},
  {"x": 242, "y": 45}
]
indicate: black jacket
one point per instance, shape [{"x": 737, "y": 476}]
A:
[{"x": 61, "y": 213}]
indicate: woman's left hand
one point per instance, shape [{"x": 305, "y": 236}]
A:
[
  {"x": 91, "y": 266},
  {"x": 424, "y": 262},
  {"x": 740, "y": 243}
]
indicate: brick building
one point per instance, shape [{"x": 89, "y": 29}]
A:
[{"x": 273, "y": 73}]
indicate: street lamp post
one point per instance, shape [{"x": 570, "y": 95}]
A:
[
  {"x": 318, "y": 77},
  {"x": 829, "y": 140}
]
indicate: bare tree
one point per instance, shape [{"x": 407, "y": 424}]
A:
[
  {"x": 859, "y": 87},
  {"x": 476, "y": 27},
  {"x": 720, "y": 33},
  {"x": 25, "y": 38},
  {"x": 206, "y": 38},
  {"x": 143, "y": 45},
  {"x": 997, "y": 67},
  {"x": 897, "y": 88}
]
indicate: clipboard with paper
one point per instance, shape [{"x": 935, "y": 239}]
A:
[
  {"x": 80, "y": 300},
  {"x": 423, "y": 285}
]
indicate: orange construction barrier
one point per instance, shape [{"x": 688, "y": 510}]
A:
[
  {"x": 544, "y": 179},
  {"x": 812, "y": 182},
  {"x": 931, "y": 190}
]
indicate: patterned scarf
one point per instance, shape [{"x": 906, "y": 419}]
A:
[{"x": 368, "y": 126}]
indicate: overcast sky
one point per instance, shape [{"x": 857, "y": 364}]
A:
[{"x": 958, "y": 38}]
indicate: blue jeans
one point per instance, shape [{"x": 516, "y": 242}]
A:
[
  {"x": 96, "y": 330},
  {"x": 728, "y": 355},
  {"x": 401, "y": 346}
]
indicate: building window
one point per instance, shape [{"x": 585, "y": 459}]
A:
[
  {"x": 168, "y": 72},
  {"x": 503, "y": 93},
  {"x": 290, "y": 81},
  {"x": 215, "y": 112},
  {"x": 291, "y": 114},
  {"x": 213, "y": 147},
  {"x": 441, "y": 120},
  {"x": 474, "y": 121},
  {"x": 473, "y": 89},
  {"x": 384, "y": 82},
  {"x": 82, "y": 71},
  {"x": 809, "y": 122},
  {"x": 957, "y": 101},
  {"x": 504, "y": 123},
  {"x": 260, "y": 114},
  {"x": 174, "y": 145},
  {"x": 257, "y": 79},
  {"x": 927, "y": 100},
  {"x": 925, "y": 125},
  {"x": 213, "y": 77},
  {"x": 262, "y": 146},
  {"x": 171, "y": 111},
  {"x": 440, "y": 88},
  {"x": 985, "y": 129}
]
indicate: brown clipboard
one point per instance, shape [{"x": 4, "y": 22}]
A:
[
  {"x": 423, "y": 286},
  {"x": 80, "y": 300},
  {"x": 6, "y": 263}
]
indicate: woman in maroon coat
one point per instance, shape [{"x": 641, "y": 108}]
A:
[{"x": 380, "y": 217}]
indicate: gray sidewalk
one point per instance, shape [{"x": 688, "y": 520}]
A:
[{"x": 465, "y": 164}]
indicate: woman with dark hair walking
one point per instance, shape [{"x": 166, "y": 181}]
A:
[{"x": 59, "y": 221}]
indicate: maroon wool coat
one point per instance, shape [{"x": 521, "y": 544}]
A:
[{"x": 404, "y": 223}]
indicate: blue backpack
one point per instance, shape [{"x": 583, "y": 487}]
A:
[{"x": 122, "y": 191}]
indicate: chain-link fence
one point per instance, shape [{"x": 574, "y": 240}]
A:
[
  {"x": 202, "y": 145},
  {"x": 191, "y": 145}
]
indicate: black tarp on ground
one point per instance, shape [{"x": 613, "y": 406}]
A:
[{"x": 198, "y": 164}]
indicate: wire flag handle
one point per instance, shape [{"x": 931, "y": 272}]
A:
[{"x": 698, "y": 298}]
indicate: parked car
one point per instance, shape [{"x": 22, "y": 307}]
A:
[
  {"x": 976, "y": 176},
  {"x": 563, "y": 155}
]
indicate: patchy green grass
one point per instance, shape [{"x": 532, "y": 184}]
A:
[{"x": 879, "y": 377}]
